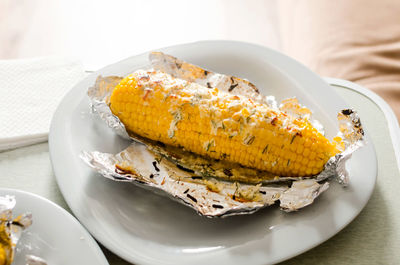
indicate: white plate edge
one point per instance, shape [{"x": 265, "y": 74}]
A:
[{"x": 87, "y": 235}]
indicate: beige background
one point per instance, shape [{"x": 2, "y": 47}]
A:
[
  {"x": 102, "y": 32},
  {"x": 356, "y": 40}
]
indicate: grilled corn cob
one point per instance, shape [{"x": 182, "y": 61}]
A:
[{"x": 219, "y": 125}]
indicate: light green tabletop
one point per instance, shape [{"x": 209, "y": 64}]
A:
[{"x": 372, "y": 238}]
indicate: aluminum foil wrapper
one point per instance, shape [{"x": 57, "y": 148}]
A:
[
  {"x": 301, "y": 194},
  {"x": 195, "y": 74},
  {"x": 11, "y": 228},
  {"x": 352, "y": 133},
  {"x": 34, "y": 260},
  {"x": 210, "y": 186},
  {"x": 207, "y": 195},
  {"x": 99, "y": 96}
]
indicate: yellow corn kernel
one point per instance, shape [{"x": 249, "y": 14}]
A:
[{"x": 218, "y": 125}]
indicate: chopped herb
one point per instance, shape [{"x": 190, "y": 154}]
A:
[
  {"x": 249, "y": 139},
  {"x": 186, "y": 191},
  {"x": 294, "y": 136},
  {"x": 209, "y": 85},
  {"x": 205, "y": 72},
  {"x": 209, "y": 144},
  {"x": 223, "y": 156},
  {"x": 253, "y": 87},
  {"x": 228, "y": 172},
  {"x": 151, "y": 176},
  {"x": 184, "y": 168},
  {"x": 263, "y": 192},
  {"x": 158, "y": 159},
  {"x": 191, "y": 197},
  {"x": 288, "y": 162},
  {"x": 214, "y": 124},
  {"x": 265, "y": 149},
  {"x": 197, "y": 177},
  {"x": 241, "y": 125},
  {"x": 233, "y": 85},
  {"x": 217, "y": 206},
  {"x": 196, "y": 98},
  {"x": 347, "y": 111},
  {"x": 177, "y": 117},
  {"x": 155, "y": 166}
]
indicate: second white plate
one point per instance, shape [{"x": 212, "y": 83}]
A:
[
  {"x": 55, "y": 235},
  {"x": 145, "y": 228}
]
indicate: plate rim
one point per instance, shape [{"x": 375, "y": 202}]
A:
[{"x": 293, "y": 63}]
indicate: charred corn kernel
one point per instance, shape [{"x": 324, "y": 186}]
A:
[
  {"x": 218, "y": 125},
  {"x": 6, "y": 252}
]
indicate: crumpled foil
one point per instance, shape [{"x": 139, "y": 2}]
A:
[
  {"x": 205, "y": 185},
  {"x": 99, "y": 97},
  {"x": 301, "y": 194},
  {"x": 195, "y": 74},
  {"x": 352, "y": 133},
  {"x": 209, "y": 196},
  {"x": 11, "y": 228},
  {"x": 34, "y": 260}
]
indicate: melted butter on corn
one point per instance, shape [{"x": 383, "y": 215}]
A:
[{"x": 219, "y": 125}]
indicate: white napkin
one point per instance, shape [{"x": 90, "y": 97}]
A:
[{"x": 30, "y": 91}]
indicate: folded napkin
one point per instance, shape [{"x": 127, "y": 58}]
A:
[{"x": 31, "y": 90}]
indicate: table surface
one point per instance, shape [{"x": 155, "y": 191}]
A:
[{"x": 372, "y": 238}]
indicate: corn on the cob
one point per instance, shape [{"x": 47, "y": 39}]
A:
[{"x": 219, "y": 125}]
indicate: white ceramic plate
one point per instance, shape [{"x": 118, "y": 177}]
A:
[
  {"x": 55, "y": 235},
  {"x": 145, "y": 228}
]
